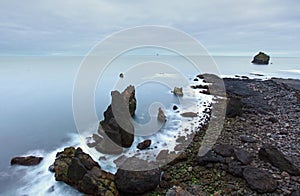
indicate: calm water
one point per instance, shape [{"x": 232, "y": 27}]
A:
[{"x": 36, "y": 113}]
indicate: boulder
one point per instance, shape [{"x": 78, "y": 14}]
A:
[
  {"x": 144, "y": 144},
  {"x": 117, "y": 118},
  {"x": 259, "y": 180},
  {"x": 178, "y": 91},
  {"x": 225, "y": 150},
  {"x": 234, "y": 107},
  {"x": 274, "y": 156},
  {"x": 236, "y": 169},
  {"x": 26, "y": 161},
  {"x": 79, "y": 170},
  {"x": 243, "y": 156},
  {"x": 248, "y": 139},
  {"x": 261, "y": 58},
  {"x": 132, "y": 178},
  {"x": 161, "y": 116},
  {"x": 210, "y": 157}
]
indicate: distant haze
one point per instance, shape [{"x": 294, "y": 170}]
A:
[{"x": 73, "y": 27}]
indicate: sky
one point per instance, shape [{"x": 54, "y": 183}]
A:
[{"x": 224, "y": 27}]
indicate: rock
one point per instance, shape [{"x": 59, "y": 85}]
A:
[
  {"x": 117, "y": 118},
  {"x": 236, "y": 169},
  {"x": 26, "y": 161},
  {"x": 210, "y": 157},
  {"x": 178, "y": 91},
  {"x": 143, "y": 145},
  {"x": 189, "y": 114},
  {"x": 272, "y": 155},
  {"x": 177, "y": 191},
  {"x": 175, "y": 107},
  {"x": 273, "y": 119},
  {"x": 79, "y": 170},
  {"x": 225, "y": 150},
  {"x": 243, "y": 156},
  {"x": 121, "y": 75},
  {"x": 259, "y": 180},
  {"x": 296, "y": 192},
  {"x": 161, "y": 116},
  {"x": 261, "y": 58},
  {"x": 234, "y": 107},
  {"x": 132, "y": 179},
  {"x": 51, "y": 168},
  {"x": 248, "y": 139}
]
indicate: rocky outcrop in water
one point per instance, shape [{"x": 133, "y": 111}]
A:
[
  {"x": 79, "y": 170},
  {"x": 261, "y": 59},
  {"x": 26, "y": 161},
  {"x": 161, "y": 116},
  {"x": 117, "y": 124},
  {"x": 178, "y": 91}
]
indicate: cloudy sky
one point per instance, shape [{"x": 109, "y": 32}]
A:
[{"x": 73, "y": 27}]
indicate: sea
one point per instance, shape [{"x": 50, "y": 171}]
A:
[{"x": 38, "y": 102}]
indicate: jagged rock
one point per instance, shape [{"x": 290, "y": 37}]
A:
[
  {"x": 79, "y": 170},
  {"x": 225, "y": 150},
  {"x": 243, "y": 156},
  {"x": 274, "y": 156},
  {"x": 210, "y": 157},
  {"x": 144, "y": 144},
  {"x": 117, "y": 118},
  {"x": 189, "y": 114},
  {"x": 161, "y": 116},
  {"x": 178, "y": 91},
  {"x": 261, "y": 58},
  {"x": 26, "y": 161},
  {"x": 234, "y": 107},
  {"x": 177, "y": 191},
  {"x": 132, "y": 178},
  {"x": 248, "y": 139},
  {"x": 236, "y": 169},
  {"x": 259, "y": 180}
]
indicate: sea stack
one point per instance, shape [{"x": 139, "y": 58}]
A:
[{"x": 261, "y": 59}]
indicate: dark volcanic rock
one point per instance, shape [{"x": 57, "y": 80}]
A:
[
  {"x": 79, "y": 170},
  {"x": 144, "y": 144},
  {"x": 161, "y": 116},
  {"x": 261, "y": 58},
  {"x": 243, "y": 156},
  {"x": 117, "y": 118},
  {"x": 259, "y": 180},
  {"x": 248, "y": 138},
  {"x": 234, "y": 107},
  {"x": 271, "y": 154},
  {"x": 26, "y": 161},
  {"x": 236, "y": 169},
  {"x": 225, "y": 150},
  {"x": 210, "y": 157},
  {"x": 178, "y": 91},
  {"x": 134, "y": 177}
]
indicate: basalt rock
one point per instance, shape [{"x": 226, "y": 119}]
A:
[
  {"x": 161, "y": 116},
  {"x": 79, "y": 170},
  {"x": 261, "y": 58},
  {"x": 26, "y": 161},
  {"x": 117, "y": 118},
  {"x": 178, "y": 91}
]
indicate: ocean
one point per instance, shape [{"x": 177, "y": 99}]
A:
[{"x": 36, "y": 114}]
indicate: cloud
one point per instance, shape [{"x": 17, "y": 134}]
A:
[{"x": 74, "y": 26}]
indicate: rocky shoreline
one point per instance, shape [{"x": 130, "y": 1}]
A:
[{"x": 256, "y": 153}]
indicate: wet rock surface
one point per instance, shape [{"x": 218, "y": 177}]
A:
[
  {"x": 79, "y": 170},
  {"x": 26, "y": 161},
  {"x": 261, "y": 59},
  {"x": 117, "y": 124}
]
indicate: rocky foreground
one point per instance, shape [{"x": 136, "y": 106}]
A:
[{"x": 256, "y": 153}]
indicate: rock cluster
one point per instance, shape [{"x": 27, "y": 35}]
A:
[{"x": 79, "y": 170}]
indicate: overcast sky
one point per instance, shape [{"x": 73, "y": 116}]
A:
[{"x": 73, "y": 27}]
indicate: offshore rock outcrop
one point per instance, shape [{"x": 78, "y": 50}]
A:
[
  {"x": 79, "y": 170},
  {"x": 26, "y": 161},
  {"x": 117, "y": 124},
  {"x": 261, "y": 59}
]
